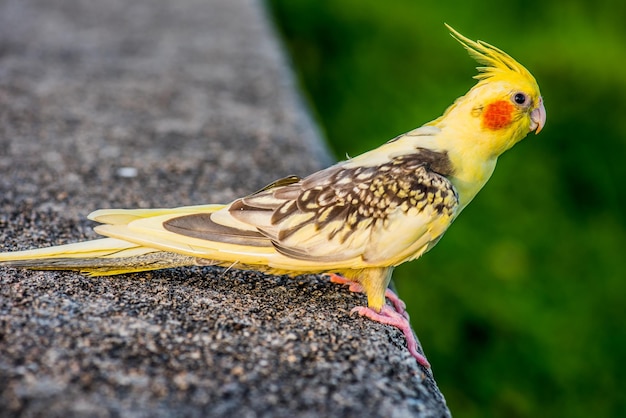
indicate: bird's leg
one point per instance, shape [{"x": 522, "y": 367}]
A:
[
  {"x": 390, "y": 316},
  {"x": 395, "y": 316},
  {"x": 398, "y": 303}
]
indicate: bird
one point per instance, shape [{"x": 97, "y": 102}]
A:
[{"x": 353, "y": 221}]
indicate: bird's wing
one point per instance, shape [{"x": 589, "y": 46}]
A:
[
  {"x": 344, "y": 216},
  {"x": 382, "y": 214}
]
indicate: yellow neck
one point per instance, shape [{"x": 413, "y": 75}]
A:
[
  {"x": 470, "y": 175},
  {"x": 473, "y": 150}
]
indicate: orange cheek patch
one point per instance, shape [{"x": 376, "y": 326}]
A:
[{"x": 498, "y": 115}]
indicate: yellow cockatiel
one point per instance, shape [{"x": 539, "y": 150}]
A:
[{"x": 359, "y": 218}]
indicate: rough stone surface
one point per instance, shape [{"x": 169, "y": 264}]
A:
[{"x": 150, "y": 104}]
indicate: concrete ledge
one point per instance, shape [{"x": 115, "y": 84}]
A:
[{"x": 154, "y": 104}]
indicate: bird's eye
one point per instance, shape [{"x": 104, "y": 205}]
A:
[{"x": 520, "y": 98}]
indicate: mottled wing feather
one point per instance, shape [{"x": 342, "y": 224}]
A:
[
  {"x": 380, "y": 214},
  {"x": 386, "y": 212}
]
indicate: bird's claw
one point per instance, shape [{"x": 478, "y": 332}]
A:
[
  {"x": 352, "y": 286},
  {"x": 395, "y": 315},
  {"x": 389, "y": 316}
]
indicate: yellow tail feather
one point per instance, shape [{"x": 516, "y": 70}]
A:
[{"x": 102, "y": 257}]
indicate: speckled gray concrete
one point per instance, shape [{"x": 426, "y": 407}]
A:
[{"x": 195, "y": 98}]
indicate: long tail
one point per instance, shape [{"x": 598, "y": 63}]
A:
[
  {"x": 101, "y": 257},
  {"x": 108, "y": 256}
]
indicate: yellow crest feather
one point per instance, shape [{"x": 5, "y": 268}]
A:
[{"x": 496, "y": 62}]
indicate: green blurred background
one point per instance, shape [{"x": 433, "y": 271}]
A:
[{"x": 521, "y": 307}]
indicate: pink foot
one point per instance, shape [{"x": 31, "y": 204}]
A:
[
  {"x": 398, "y": 304},
  {"x": 389, "y": 316},
  {"x": 353, "y": 286},
  {"x": 396, "y": 316}
]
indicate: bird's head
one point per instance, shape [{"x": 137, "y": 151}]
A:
[{"x": 502, "y": 108}]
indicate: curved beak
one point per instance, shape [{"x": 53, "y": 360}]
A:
[{"x": 538, "y": 117}]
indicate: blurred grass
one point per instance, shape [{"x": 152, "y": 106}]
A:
[{"x": 521, "y": 308}]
